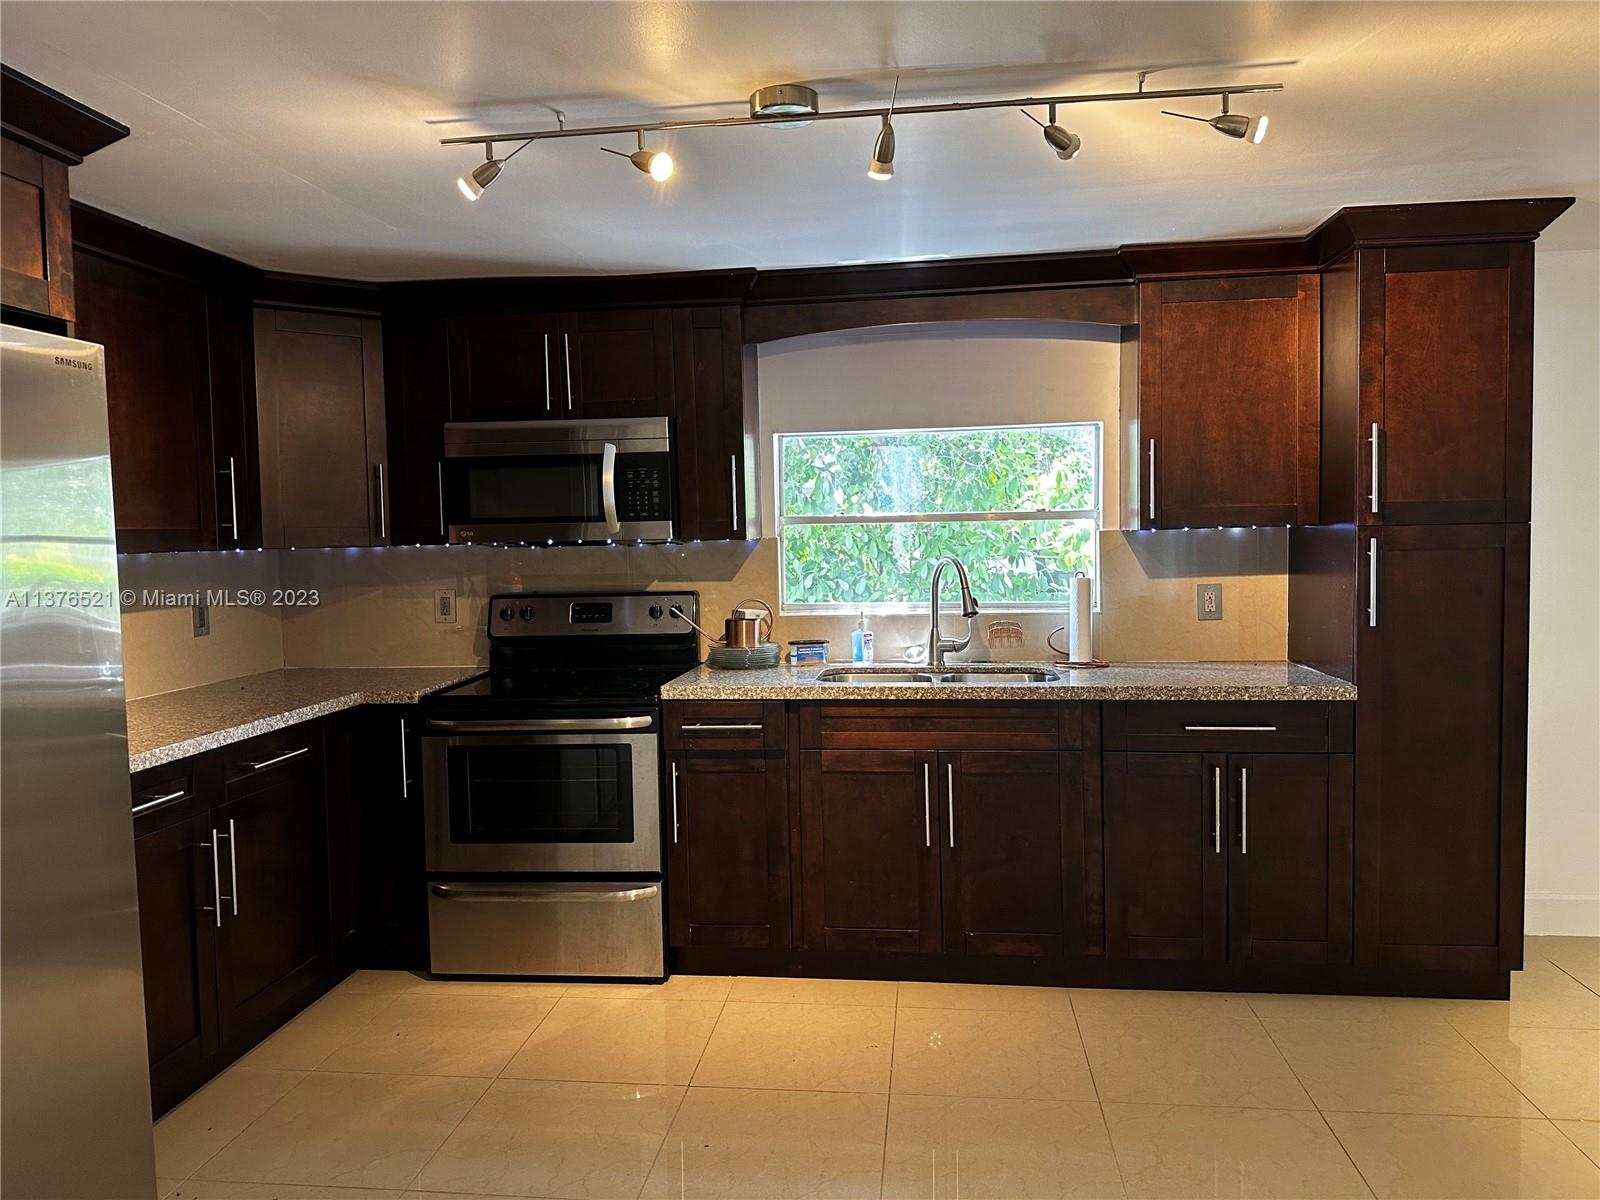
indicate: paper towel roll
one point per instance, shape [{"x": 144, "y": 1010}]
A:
[{"x": 1080, "y": 643}]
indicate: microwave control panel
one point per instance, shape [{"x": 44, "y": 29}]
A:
[{"x": 644, "y": 487}]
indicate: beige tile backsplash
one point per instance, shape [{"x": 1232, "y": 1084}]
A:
[{"x": 376, "y": 606}]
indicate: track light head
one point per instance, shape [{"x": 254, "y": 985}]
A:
[
  {"x": 1065, "y": 143},
  {"x": 480, "y": 177},
  {"x": 882, "y": 165},
  {"x": 1231, "y": 124},
  {"x": 655, "y": 163}
]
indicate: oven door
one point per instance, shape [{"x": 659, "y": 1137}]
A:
[{"x": 555, "y": 795}]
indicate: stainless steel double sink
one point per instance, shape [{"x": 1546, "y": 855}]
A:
[{"x": 970, "y": 674}]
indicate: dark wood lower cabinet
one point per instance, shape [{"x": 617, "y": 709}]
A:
[
  {"x": 728, "y": 850},
  {"x": 871, "y": 862},
  {"x": 1441, "y": 746},
  {"x": 1005, "y": 881},
  {"x": 1166, "y": 866},
  {"x": 178, "y": 940}
]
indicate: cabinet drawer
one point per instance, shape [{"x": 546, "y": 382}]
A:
[
  {"x": 725, "y": 725},
  {"x": 172, "y": 792},
  {"x": 265, "y": 759},
  {"x": 986, "y": 725},
  {"x": 1236, "y": 726}
]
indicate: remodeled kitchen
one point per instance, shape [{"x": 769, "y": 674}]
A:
[{"x": 976, "y": 687}]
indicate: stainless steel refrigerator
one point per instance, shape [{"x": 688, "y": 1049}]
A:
[{"x": 74, "y": 1080}]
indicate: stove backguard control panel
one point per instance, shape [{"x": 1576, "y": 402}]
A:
[{"x": 528, "y": 615}]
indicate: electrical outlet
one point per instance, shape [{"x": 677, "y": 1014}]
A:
[
  {"x": 1208, "y": 601},
  {"x": 202, "y": 619},
  {"x": 444, "y": 606}
]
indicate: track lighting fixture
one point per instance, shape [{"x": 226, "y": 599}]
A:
[
  {"x": 655, "y": 163},
  {"x": 1234, "y": 125},
  {"x": 482, "y": 175},
  {"x": 794, "y": 105},
  {"x": 882, "y": 165},
  {"x": 1064, "y": 143}
]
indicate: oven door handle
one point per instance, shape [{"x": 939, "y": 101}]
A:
[
  {"x": 608, "y": 488},
  {"x": 541, "y": 725},
  {"x": 547, "y": 893}
]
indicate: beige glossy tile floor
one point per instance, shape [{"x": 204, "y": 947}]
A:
[{"x": 398, "y": 1088}]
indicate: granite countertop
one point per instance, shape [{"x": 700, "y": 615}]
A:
[
  {"x": 1121, "y": 681},
  {"x": 174, "y": 725}
]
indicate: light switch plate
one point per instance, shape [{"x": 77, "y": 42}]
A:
[
  {"x": 444, "y": 606},
  {"x": 1208, "y": 601},
  {"x": 202, "y": 619}
]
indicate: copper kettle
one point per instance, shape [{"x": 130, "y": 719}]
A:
[{"x": 748, "y": 626}]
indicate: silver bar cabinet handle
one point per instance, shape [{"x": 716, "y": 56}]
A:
[
  {"x": 216, "y": 881},
  {"x": 608, "y": 487},
  {"x": 233, "y": 867},
  {"x": 674, "y": 804},
  {"x": 1244, "y": 810},
  {"x": 233, "y": 496},
  {"x": 730, "y": 728},
  {"x": 441, "y": 498},
  {"x": 383, "y": 508},
  {"x": 566, "y": 350},
  {"x": 950, "y": 784},
  {"x": 1230, "y": 729},
  {"x": 733, "y": 493},
  {"x": 1373, "y": 438},
  {"x": 1216, "y": 810},
  {"x": 272, "y": 762},
  {"x": 927, "y": 809},
  {"x": 547, "y": 372},
  {"x": 1372, "y": 582},
  {"x": 158, "y": 801},
  {"x": 1151, "y": 508},
  {"x": 405, "y": 771}
]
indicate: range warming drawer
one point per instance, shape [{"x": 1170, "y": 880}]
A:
[{"x": 606, "y": 929}]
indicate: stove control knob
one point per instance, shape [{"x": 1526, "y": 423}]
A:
[
  {"x": 527, "y": 612},
  {"x": 507, "y": 613},
  {"x": 657, "y": 612}
]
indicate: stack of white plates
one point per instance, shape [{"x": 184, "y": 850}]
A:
[{"x": 743, "y": 658}]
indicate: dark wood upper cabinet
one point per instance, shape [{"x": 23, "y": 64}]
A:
[
  {"x": 164, "y": 475},
  {"x": 728, "y": 850},
  {"x": 1289, "y": 864},
  {"x": 1428, "y": 384},
  {"x": 1228, "y": 402},
  {"x": 320, "y": 404},
  {"x": 716, "y": 430},
  {"x": 1005, "y": 883},
  {"x": 1166, "y": 866},
  {"x": 507, "y": 367},
  {"x": 1441, "y": 746},
  {"x": 36, "y": 247},
  {"x": 871, "y": 862},
  {"x": 617, "y": 363},
  {"x": 416, "y": 404}
]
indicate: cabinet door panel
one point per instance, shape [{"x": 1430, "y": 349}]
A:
[
  {"x": 275, "y": 940},
  {"x": 417, "y": 395},
  {"x": 1441, "y": 751},
  {"x": 1447, "y": 379},
  {"x": 1289, "y": 872},
  {"x": 870, "y": 862},
  {"x": 1166, "y": 833},
  {"x": 505, "y": 367},
  {"x": 715, "y": 413},
  {"x": 728, "y": 850},
  {"x": 1003, "y": 872},
  {"x": 1228, "y": 375},
  {"x": 153, "y": 328},
  {"x": 617, "y": 363},
  {"x": 177, "y": 938}
]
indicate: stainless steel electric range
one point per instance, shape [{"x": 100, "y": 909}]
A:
[{"x": 542, "y": 790}]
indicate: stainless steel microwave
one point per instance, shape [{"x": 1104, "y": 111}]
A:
[{"x": 558, "y": 481}]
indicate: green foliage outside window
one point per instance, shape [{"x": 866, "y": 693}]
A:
[{"x": 1014, "y": 559}]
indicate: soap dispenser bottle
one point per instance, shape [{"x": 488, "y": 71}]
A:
[{"x": 861, "y": 641}]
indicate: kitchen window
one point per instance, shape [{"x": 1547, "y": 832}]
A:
[{"x": 862, "y": 517}]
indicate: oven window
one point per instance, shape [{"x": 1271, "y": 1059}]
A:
[
  {"x": 533, "y": 794},
  {"x": 557, "y": 488}
]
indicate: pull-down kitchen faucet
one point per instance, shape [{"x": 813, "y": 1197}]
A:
[{"x": 937, "y": 642}]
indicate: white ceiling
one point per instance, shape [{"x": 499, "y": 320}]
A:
[{"x": 303, "y": 136}]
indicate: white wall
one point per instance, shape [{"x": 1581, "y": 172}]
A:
[{"x": 1563, "y": 881}]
